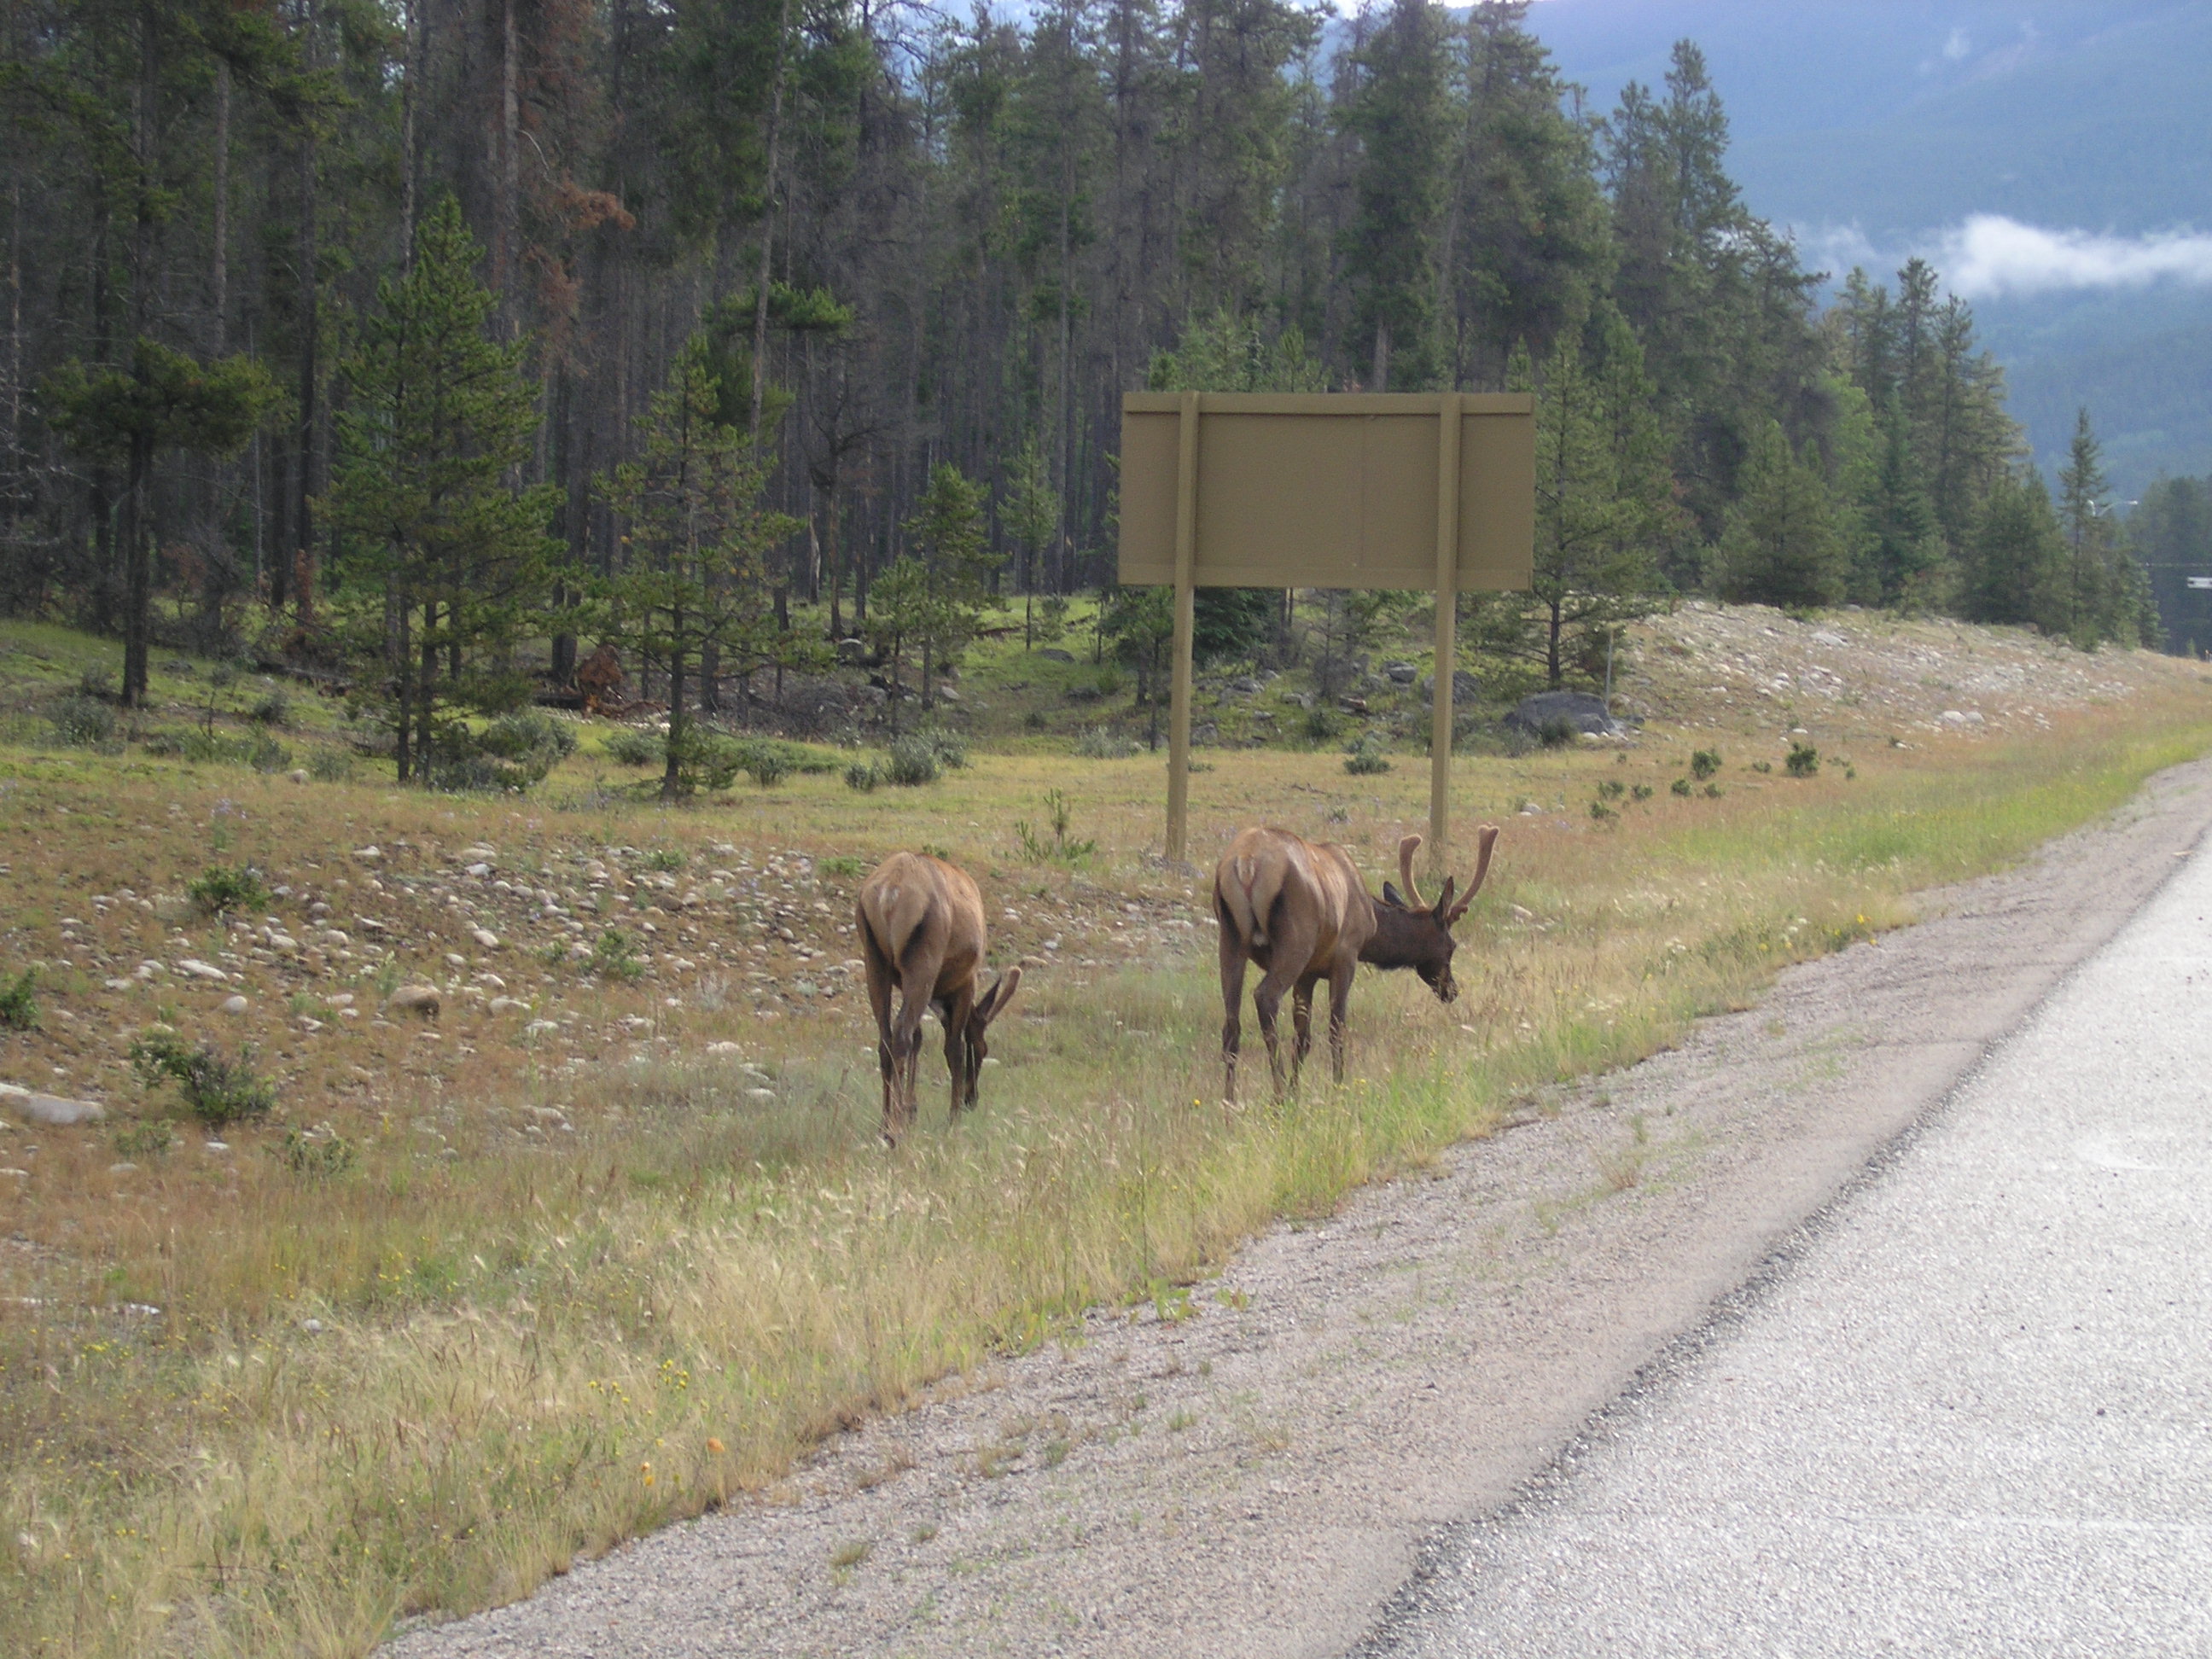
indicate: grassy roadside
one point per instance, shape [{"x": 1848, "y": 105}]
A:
[{"x": 434, "y": 1379}]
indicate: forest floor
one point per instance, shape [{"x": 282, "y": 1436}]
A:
[{"x": 651, "y": 1036}]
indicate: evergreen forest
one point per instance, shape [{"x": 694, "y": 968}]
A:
[{"x": 436, "y": 342}]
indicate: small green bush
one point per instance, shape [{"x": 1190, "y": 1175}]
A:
[
  {"x": 1320, "y": 724},
  {"x": 1103, "y": 742},
  {"x": 950, "y": 748},
  {"x": 913, "y": 761},
  {"x": 1365, "y": 758},
  {"x": 82, "y": 722},
  {"x": 615, "y": 956},
  {"x": 863, "y": 775},
  {"x": 1704, "y": 763},
  {"x": 529, "y": 737},
  {"x": 223, "y": 890},
  {"x": 264, "y": 754},
  {"x": 19, "y": 1003},
  {"x": 217, "y": 1090},
  {"x": 329, "y": 766},
  {"x": 274, "y": 709},
  {"x": 629, "y": 747},
  {"x": 669, "y": 859},
  {"x": 839, "y": 864},
  {"x": 321, "y": 1154},
  {"x": 1642, "y": 792},
  {"x": 1762, "y": 766},
  {"x": 1803, "y": 761},
  {"x": 1558, "y": 732},
  {"x": 152, "y": 1138},
  {"x": 1681, "y": 785},
  {"x": 97, "y": 682},
  {"x": 1611, "y": 789}
]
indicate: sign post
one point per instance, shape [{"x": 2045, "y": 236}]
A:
[{"x": 1418, "y": 490}]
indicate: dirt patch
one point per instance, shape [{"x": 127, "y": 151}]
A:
[{"x": 1252, "y": 1466}]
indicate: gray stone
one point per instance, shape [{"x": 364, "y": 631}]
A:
[
  {"x": 423, "y": 1000},
  {"x": 1404, "y": 673},
  {"x": 1465, "y": 686},
  {"x": 1587, "y": 714},
  {"x": 235, "y": 1005},
  {"x": 54, "y": 1111},
  {"x": 1054, "y": 653}
]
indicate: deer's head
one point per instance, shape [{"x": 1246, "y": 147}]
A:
[
  {"x": 988, "y": 1007},
  {"x": 1417, "y": 934}
]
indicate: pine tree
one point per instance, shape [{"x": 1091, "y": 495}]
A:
[
  {"x": 166, "y": 400},
  {"x": 2090, "y": 607},
  {"x": 696, "y": 537},
  {"x": 1780, "y": 544},
  {"x": 448, "y": 560},
  {"x": 956, "y": 563},
  {"x": 1402, "y": 113},
  {"x": 1603, "y": 507},
  {"x": 2015, "y": 562}
]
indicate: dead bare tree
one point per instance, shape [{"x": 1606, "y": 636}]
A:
[
  {"x": 1300, "y": 910},
  {"x": 921, "y": 929}
]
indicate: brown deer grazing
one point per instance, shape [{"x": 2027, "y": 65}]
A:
[
  {"x": 921, "y": 928},
  {"x": 1302, "y": 913}
]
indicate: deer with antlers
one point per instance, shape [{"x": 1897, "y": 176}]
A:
[
  {"x": 921, "y": 929},
  {"x": 1300, "y": 910}
]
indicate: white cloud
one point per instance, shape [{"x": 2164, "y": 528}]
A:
[
  {"x": 1958, "y": 46},
  {"x": 1990, "y": 255}
]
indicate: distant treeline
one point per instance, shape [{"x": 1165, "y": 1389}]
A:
[{"x": 909, "y": 262}]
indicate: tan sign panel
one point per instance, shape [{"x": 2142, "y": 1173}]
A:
[{"x": 1329, "y": 489}]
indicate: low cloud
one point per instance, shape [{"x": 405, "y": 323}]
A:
[{"x": 1990, "y": 255}]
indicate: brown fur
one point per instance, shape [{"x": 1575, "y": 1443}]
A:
[
  {"x": 1300, "y": 911},
  {"x": 921, "y": 929}
]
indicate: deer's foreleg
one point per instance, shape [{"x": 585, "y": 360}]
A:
[{"x": 954, "y": 1012}]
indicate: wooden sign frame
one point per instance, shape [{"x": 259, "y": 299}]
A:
[{"x": 1425, "y": 490}]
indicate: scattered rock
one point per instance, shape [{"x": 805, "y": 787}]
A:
[
  {"x": 298, "y": 774},
  {"x": 1054, "y": 653},
  {"x": 117, "y": 984},
  {"x": 1465, "y": 687},
  {"x": 369, "y": 854},
  {"x": 505, "y": 1004},
  {"x": 198, "y": 970},
  {"x": 423, "y": 1000},
  {"x": 1586, "y": 714},
  {"x": 1404, "y": 673},
  {"x": 485, "y": 937},
  {"x": 723, "y": 1048},
  {"x": 235, "y": 1005},
  {"x": 761, "y": 1097},
  {"x": 54, "y": 1111}
]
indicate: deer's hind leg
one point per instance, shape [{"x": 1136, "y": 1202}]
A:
[
  {"x": 1290, "y": 947},
  {"x": 1234, "y": 956},
  {"x": 1339, "y": 1011},
  {"x": 1302, "y": 1001},
  {"x": 880, "y": 977}
]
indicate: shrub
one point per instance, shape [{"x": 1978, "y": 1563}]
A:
[
  {"x": 218, "y": 1090},
  {"x": 1320, "y": 724},
  {"x": 515, "y": 752},
  {"x": 97, "y": 682},
  {"x": 615, "y": 956},
  {"x": 1803, "y": 761},
  {"x": 863, "y": 775},
  {"x": 669, "y": 859},
  {"x": 766, "y": 766},
  {"x": 274, "y": 709},
  {"x": 1681, "y": 785},
  {"x": 839, "y": 864},
  {"x": 950, "y": 747},
  {"x": 1642, "y": 792},
  {"x": 152, "y": 1138},
  {"x": 264, "y": 754},
  {"x": 329, "y": 766},
  {"x": 1103, "y": 742},
  {"x": 82, "y": 722},
  {"x": 629, "y": 747},
  {"x": 913, "y": 761},
  {"x": 1038, "y": 721},
  {"x": 1705, "y": 762},
  {"x": 1558, "y": 732},
  {"x": 529, "y": 736},
  {"x": 19, "y": 1003},
  {"x": 1762, "y": 766},
  {"x": 1712, "y": 792},
  {"x": 223, "y": 890},
  {"x": 321, "y": 1153},
  {"x": 1365, "y": 758},
  {"x": 1611, "y": 789}
]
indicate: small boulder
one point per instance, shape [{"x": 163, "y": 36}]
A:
[
  {"x": 1587, "y": 714},
  {"x": 1404, "y": 673},
  {"x": 53, "y": 1111},
  {"x": 369, "y": 854},
  {"x": 485, "y": 937},
  {"x": 298, "y": 774},
  {"x": 198, "y": 970},
  {"x": 235, "y": 1005},
  {"x": 1054, "y": 653},
  {"x": 423, "y": 1000}
]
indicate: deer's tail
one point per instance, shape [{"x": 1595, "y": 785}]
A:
[{"x": 1249, "y": 891}]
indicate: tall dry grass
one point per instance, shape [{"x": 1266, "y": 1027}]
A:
[{"x": 432, "y": 1380}]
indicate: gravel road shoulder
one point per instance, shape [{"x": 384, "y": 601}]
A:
[{"x": 1255, "y": 1469}]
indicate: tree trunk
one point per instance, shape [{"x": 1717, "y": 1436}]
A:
[
  {"x": 303, "y": 523},
  {"x": 768, "y": 228}
]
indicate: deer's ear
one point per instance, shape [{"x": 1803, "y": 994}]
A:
[
  {"x": 1390, "y": 898},
  {"x": 996, "y": 999},
  {"x": 1442, "y": 909}
]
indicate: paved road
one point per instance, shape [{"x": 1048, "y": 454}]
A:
[{"x": 1971, "y": 1413}]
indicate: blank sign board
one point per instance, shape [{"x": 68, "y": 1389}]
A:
[{"x": 1329, "y": 489}]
